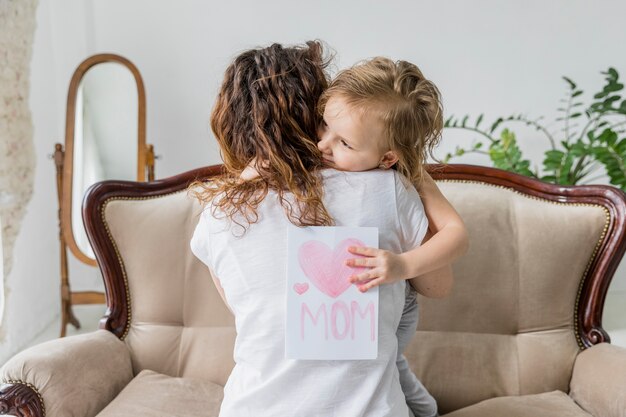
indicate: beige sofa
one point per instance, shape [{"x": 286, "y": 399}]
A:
[{"x": 520, "y": 334}]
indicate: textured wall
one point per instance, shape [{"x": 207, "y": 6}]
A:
[{"x": 17, "y": 154}]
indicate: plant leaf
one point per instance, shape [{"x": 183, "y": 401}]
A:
[
  {"x": 571, "y": 83},
  {"x": 495, "y": 125},
  {"x": 613, "y": 156},
  {"x": 506, "y": 155}
]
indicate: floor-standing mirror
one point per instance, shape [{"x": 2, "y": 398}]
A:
[{"x": 105, "y": 138}]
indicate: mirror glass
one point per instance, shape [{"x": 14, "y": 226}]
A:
[{"x": 105, "y": 135}]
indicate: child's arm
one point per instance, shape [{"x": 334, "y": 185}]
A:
[
  {"x": 436, "y": 283},
  {"x": 427, "y": 266},
  {"x": 449, "y": 242}
]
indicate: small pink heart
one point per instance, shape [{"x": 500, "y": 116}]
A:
[
  {"x": 326, "y": 268},
  {"x": 301, "y": 288}
]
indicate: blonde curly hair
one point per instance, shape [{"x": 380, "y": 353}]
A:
[{"x": 406, "y": 102}]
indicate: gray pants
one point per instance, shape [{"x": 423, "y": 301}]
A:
[{"x": 419, "y": 400}]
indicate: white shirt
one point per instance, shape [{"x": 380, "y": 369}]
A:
[{"x": 252, "y": 272}]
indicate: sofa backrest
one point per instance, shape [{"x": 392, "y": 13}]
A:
[
  {"x": 527, "y": 296},
  {"x": 508, "y": 327},
  {"x": 179, "y": 325}
]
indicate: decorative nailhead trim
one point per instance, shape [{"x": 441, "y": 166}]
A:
[
  {"x": 593, "y": 254},
  {"x": 32, "y": 387},
  {"x": 117, "y": 252}
]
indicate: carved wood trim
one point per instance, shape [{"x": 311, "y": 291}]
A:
[
  {"x": 593, "y": 288},
  {"x": 608, "y": 254},
  {"x": 21, "y": 399},
  {"x": 118, "y": 313}
]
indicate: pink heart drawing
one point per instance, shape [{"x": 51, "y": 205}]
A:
[
  {"x": 301, "y": 287},
  {"x": 325, "y": 268}
]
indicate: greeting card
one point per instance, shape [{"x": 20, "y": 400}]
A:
[{"x": 327, "y": 316}]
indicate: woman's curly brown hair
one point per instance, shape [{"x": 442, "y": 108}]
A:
[{"x": 265, "y": 115}]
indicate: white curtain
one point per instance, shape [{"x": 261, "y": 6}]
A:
[
  {"x": 17, "y": 153},
  {"x": 1, "y": 275}
]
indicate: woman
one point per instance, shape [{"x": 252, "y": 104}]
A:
[{"x": 265, "y": 121}]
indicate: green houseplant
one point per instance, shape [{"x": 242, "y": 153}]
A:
[{"x": 592, "y": 137}]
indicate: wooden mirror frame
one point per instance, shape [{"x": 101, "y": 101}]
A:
[
  {"x": 68, "y": 162},
  {"x": 64, "y": 161}
]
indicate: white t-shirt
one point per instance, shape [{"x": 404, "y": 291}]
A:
[{"x": 252, "y": 271}]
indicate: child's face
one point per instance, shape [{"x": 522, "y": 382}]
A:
[{"x": 351, "y": 141}]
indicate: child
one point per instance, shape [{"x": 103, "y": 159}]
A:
[{"x": 384, "y": 114}]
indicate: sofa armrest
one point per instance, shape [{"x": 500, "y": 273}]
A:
[
  {"x": 599, "y": 380},
  {"x": 73, "y": 376}
]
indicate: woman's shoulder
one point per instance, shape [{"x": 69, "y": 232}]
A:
[
  {"x": 389, "y": 178},
  {"x": 333, "y": 175}
]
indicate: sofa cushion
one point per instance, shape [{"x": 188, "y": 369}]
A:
[
  {"x": 547, "y": 404},
  {"x": 151, "y": 394}
]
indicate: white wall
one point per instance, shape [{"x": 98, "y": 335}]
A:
[{"x": 486, "y": 56}]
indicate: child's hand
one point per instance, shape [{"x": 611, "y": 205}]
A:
[{"x": 385, "y": 267}]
